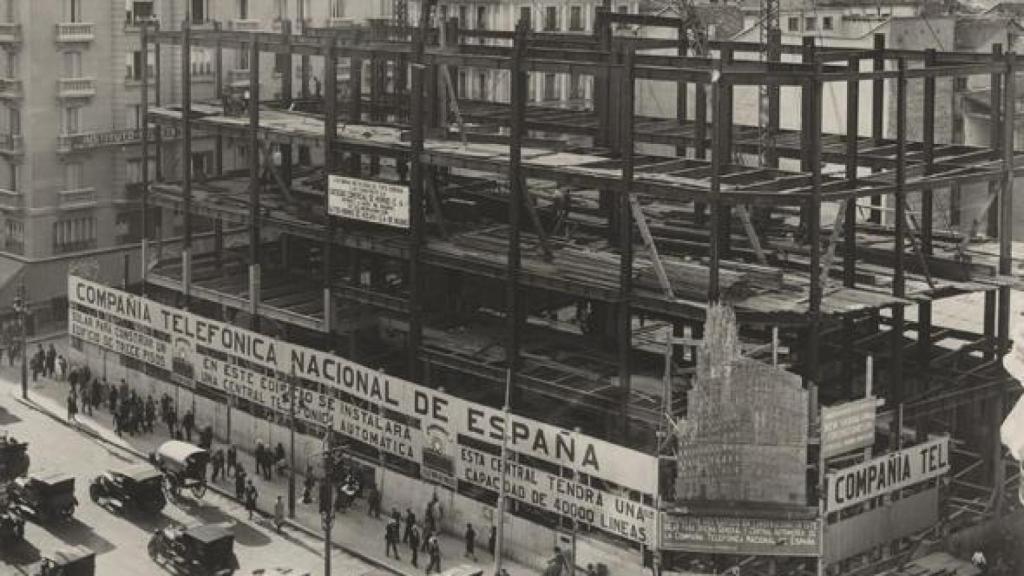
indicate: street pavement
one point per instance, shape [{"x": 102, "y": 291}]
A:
[
  {"x": 355, "y": 532},
  {"x": 120, "y": 541}
]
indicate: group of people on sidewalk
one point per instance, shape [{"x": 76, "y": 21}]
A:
[{"x": 132, "y": 415}]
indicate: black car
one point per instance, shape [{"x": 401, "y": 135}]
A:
[
  {"x": 199, "y": 551},
  {"x": 47, "y": 498},
  {"x": 69, "y": 561},
  {"x": 137, "y": 487}
]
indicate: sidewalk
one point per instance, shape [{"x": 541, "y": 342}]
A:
[{"x": 354, "y": 531}]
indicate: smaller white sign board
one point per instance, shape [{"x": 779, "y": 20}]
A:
[{"x": 368, "y": 200}]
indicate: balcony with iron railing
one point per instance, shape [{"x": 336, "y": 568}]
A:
[
  {"x": 124, "y": 137},
  {"x": 245, "y": 25},
  {"x": 10, "y": 88},
  {"x": 10, "y": 32},
  {"x": 77, "y": 198},
  {"x": 76, "y": 88},
  {"x": 11, "y": 199},
  {"x": 11, "y": 144},
  {"x": 76, "y": 32},
  {"x": 343, "y": 22}
]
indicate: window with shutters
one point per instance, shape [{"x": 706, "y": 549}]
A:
[
  {"x": 199, "y": 13},
  {"x": 481, "y": 18},
  {"x": 550, "y": 87},
  {"x": 133, "y": 170},
  {"x": 74, "y": 234},
  {"x": 14, "y": 235},
  {"x": 576, "y": 18},
  {"x": 69, "y": 120},
  {"x": 551, "y": 19},
  {"x": 73, "y": 10},
  {"x": 14, "y": 121},
  {"x": 72, "y": 64},
  {"x": 10, "y": 64},
  {"x": 202, "y": 62},
  {"x": 243, "y": 9},
  {"x": 526, "y": 14},
  {"x": 337, "y": 8},
  {"x": 481, "y": 85},
  {"x": 73, "y": 176}
]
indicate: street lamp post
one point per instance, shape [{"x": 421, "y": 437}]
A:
[
  {"x": 21, "y": 307},
  {"x": 327, "y": 496},
  {"x": 291, "y": 449}
]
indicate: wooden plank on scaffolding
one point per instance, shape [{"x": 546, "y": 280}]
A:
[
  {"x": 748, "y": 226},
  {"x": 645, "y": 233}
]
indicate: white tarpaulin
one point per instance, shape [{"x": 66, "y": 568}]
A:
[{"x": 1012, "y": 430}]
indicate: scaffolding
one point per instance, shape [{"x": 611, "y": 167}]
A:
[{"x": 512, "y": 223}]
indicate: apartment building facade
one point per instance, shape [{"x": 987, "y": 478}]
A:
[
  {"x": 71, "y": 81},
  {"x": 568, "y": 17}
]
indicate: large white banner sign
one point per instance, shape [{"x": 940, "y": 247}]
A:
[
  {"x": 888, "y": 473},
  {"x": 442, "y": 418}
]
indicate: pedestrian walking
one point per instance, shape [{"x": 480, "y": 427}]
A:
[
  {"x": 72, "y": 407},
  {"x": 250, "y": 498},
  {"x": 278, "y": 514},
  {"x": 260, "y": 455},
  {"x": 188, "y": 422},
  {"x": 218, "y": 465},
  {"x": 470, "y": 541},
  {"x": 428, "y": 533},
  {"x": 434, "y": 550},
  {"x": 307, "y": 490},
  {"x": 414, "y": 544},
  {"x": 410, "y": 522},
  {"x": 232, "y": 457},
  {"x": 239, "y": 483},
  {"x": 373, "y": 502},
  {"x": 492, "y": 540},
  {"x": 51, "y": 361},
  {"x": 591, "y": 570},
  {"x": 391, "y": 538}
]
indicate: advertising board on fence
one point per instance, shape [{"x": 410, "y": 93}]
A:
[
  {"x": 602, "y": 510},
  {"x": 434, "y": 420},
  {"x": 729, "y": 535},
  {"x": 885, "y": 474},
  {"x": 848, "y": 426},
  {"x": 368, "y": 200}
]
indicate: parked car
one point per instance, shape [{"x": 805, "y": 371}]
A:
[
  {"x": 69, "y": 561},
  {"x": 199, "y": 551},
  {"x": 183, "y": 466},
  {"x": 47, "y": 498},
  {"x": 12, "y": 524},
  {"x": 136, "y": 487}
]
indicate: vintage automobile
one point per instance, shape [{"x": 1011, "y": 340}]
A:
[
  {"x": 14, "y": 460},
  {"x": 69, "y": 561},
  {"x": 183, "y": 466},
  {"x": 47, "y": 498},
  {"x": 136, "y": 487},
  {"x": 199, "y": 551},
  {"x": 12, "y": 524}
]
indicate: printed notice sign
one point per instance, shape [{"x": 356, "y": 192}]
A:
[
  {"x": 369, "y": 201},
  {"x": 719, "y": 534},
  {"x": 848, "y": 426}
]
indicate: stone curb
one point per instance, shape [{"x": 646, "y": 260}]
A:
[{"x": 134, "y": 451}]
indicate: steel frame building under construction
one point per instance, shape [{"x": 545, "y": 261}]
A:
[{"x": 574, "y": 255}]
